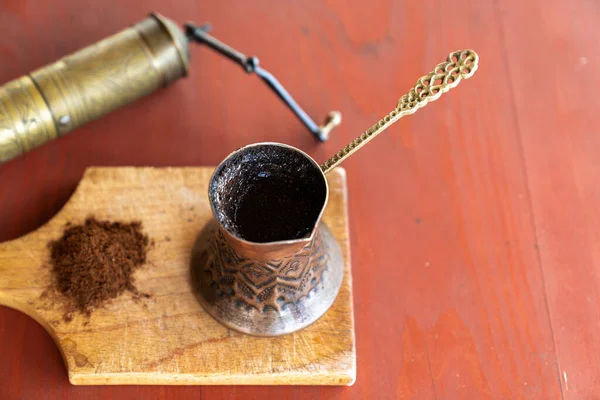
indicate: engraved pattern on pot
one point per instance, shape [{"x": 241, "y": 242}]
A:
[{"x": 264, "y": 285}]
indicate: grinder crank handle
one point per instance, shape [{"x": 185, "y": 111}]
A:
[{"x": 251, "y": 65}]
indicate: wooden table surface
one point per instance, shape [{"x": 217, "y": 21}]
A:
[{"x": 474, "y": 223}]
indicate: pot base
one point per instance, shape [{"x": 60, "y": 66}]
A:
[{"x": 266, "y": 298}]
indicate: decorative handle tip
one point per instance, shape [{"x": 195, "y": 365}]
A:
[{"x": 459, "y": 65}]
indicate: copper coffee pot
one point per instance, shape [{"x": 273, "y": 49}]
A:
[
  {"x": 116, "y": 71},
  {"x": 268, "y": 266}
]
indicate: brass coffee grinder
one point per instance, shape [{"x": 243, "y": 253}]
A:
[{"x": 118, "y": 70}]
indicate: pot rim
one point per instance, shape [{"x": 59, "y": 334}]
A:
[{"x": 279, "y": 242}]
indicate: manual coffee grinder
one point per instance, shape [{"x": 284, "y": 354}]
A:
[{"x": 56, "y": 99}]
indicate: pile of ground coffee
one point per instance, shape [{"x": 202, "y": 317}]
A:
[{"x": 94, "y": 262}]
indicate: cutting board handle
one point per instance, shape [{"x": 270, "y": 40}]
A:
[{"x": 24, "y": 262}]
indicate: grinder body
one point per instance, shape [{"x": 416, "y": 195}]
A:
[{"x": 90, "y": 83}]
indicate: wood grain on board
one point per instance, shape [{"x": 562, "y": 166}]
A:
[
  {"x": 473, "y": 223},
  {"x": 169, "y": 339}
]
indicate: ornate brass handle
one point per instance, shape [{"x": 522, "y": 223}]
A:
[{"x": 459, "y": 65}]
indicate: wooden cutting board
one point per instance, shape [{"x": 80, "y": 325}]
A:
[{"x": 169, "y": 339}]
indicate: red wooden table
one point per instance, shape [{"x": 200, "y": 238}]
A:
[{"x": 474, "y": 223}]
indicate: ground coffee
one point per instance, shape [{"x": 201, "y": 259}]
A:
[{"x": 94, "y": 262}]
